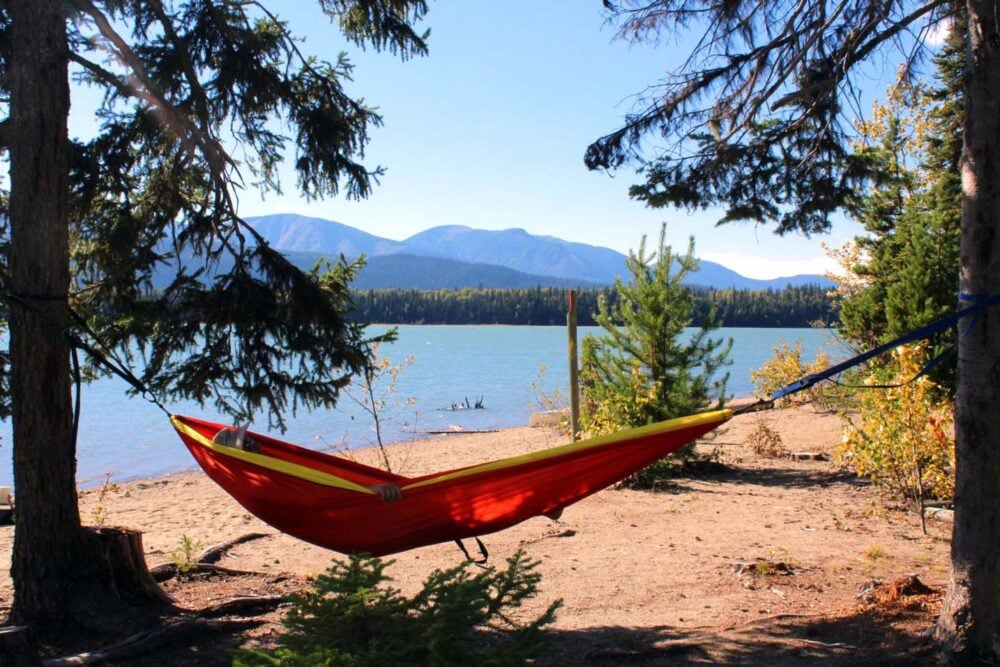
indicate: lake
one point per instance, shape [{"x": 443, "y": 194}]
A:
[{"x": 125, "y": 438}]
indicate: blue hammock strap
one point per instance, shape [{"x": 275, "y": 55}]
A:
[
  {"x": 980, "y": 302},
  {"x": 924, "y": 370}
]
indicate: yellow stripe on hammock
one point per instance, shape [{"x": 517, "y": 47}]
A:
[
  {"x": 602, "y": 441},
  {"x": 327, "y": 479},
  {"x": 271, "y": 463}
]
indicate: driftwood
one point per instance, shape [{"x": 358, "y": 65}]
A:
[
  {"x": 461, "y": 431},
  {"x": 469, "y": 406},
  {"x": 939, "y": 514},
  {"x": 213, "y": 553},
  {"x": 166, "y": 571},
  {"x": 151, "y": 640},
  {"x": 17, "y": 647},
  {"x": 808, "y": 456},
  {"x": 253, "y": 605},
  {"x": 206, "y": 559}
]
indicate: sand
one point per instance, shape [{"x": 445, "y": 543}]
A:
[{"x": 767, "y": 540}]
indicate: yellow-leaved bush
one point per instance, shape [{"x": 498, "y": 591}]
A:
[
  {"x": 608, "y": 410},
  {"x": 903, "y": 436},
  {"x": 785, "y": 367}
]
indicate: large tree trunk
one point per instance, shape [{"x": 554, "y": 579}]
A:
[
  {"x": 48, "y": 523},
  {"x": 61, "y": 571},
  {"x": 969, "y": 625}
]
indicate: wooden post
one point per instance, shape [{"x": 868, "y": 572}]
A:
[{"x": 574, "y": 373}]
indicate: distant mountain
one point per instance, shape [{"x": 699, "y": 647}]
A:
[
  {"x": 436, "y": 273},
  {"x": 716, "y": 275},
  {"x": 517, "y": 249},
  {"x": 472, "y": 257},
  {"x": 287, "y": 231}
]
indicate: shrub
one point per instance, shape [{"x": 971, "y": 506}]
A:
[
  {"x": 351, "y": 616},
  {"x": 784, "y": 368},
  {"x": 551, "y": 401},
  {"x": 765, "y": 441},
  {"x": 373, "y": 391},
  {"x": 184, "y": 557},
  {"x": 903, "y": 438}
]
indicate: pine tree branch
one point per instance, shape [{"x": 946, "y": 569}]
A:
[
  {"x": 181, "y": 49},
  {"x": 102, "y": 74},
  {"x": 190, "y": 136}
]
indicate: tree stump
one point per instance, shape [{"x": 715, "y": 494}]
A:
[
  {"x": 126, "y": 562},
  {"x": 17, "y": 648}
]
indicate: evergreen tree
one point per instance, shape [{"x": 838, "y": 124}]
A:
[
  {"x": 912, "y": 215},
  {"x": 758, "y": 119},
  {"x": 645, "y": 367},
  {"x": 182, "y": 81}
]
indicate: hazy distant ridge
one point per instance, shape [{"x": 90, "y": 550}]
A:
[
  {"x": 456, "y": 256},
  {"x": 519, "y": 250}
]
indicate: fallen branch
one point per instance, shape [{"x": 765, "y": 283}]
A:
[
  {"x": 151, "y": 640},
  {"x": 213, "y": 553},
  {"x": 674, "y": 649},
  {"x": 170, "y": 570},
  {"x": 250, "y": 605},
  {"x": 827, "y": 644}
]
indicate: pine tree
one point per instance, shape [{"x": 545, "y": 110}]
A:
[
  {"x": 912, "y": 215},
  {"x": 646, "y": 367},
  {"x": 775, "y": 83},
  {"x": 183, "y": 85}
]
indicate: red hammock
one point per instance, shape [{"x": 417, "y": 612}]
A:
[{"x": 324, "y": 499}]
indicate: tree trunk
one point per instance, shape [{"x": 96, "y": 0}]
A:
[
  {"x": 121, "y": 549},
  {"x": 58, "y": 568},
  {"x": 969, "y": 625},
  {"x": 17, "y": 648},
  {"x": 44, "y": 461}
]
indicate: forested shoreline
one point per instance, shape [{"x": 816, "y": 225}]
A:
[{"x": 785, "y": 308}]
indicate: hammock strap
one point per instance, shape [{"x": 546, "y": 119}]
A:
[
  {"x": 758, "y": 406},
  {"x": 106, "y": 360},
  {"x": 483, "y": 551},
  {"x": 110, "y": 363},
  {"x": 979, "y": 304},
  {"x": 924, "y": 370}
]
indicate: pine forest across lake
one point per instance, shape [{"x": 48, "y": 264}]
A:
[
  {"x": 793, "y": 306},
  {"x": 126, "y": 438}
]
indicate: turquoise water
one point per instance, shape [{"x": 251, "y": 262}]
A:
[{"x": 129, "y": 437}]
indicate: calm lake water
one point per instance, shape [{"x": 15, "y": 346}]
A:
[{"x": 129, "y": 437}]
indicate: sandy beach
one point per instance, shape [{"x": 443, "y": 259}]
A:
[{"x": 723, "y": 560}]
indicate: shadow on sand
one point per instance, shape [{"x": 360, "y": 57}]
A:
[{"x": 891, "y": 635}]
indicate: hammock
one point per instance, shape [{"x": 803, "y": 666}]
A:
[{"x": 324, "y": 499}]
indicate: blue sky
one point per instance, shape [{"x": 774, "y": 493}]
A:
[{"x": 489, "y": 131}]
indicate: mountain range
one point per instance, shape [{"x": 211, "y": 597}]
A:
[{"x": 455, "y": 256}]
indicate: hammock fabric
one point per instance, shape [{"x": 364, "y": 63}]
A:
[{"x": 324, "y": 499}]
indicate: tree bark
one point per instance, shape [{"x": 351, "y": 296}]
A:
[
  {"x": 122, "y": 550},
  {"x": 17, "y": 648},
  {"x": 969, "y": 626},
  {"x": 64, "y": 576},
  {"x": 44, "y": 460}
]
